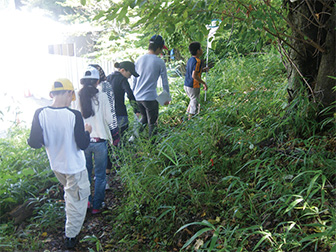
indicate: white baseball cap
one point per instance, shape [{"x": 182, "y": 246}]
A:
[{"x": 91, "y": 73}]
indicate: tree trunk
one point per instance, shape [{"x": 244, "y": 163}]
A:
[
  {"x": 324, "y": 85},
  {"x": 311, "y": 62}
]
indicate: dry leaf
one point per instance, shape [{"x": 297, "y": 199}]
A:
[{"x": 199, "y": 243}]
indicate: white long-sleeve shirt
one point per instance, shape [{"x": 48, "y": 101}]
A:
[
  {"x": 150, "y": 68},
  {"x": 102, "y": 121},
  {"x": 61, "y": 131}
]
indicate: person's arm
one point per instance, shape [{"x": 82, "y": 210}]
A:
[
  {"x": 195, "y": 76},
  {"x": 110, "y": 116},
  {"x": 109, "y": 94},
  {"x": 126, "y": 87},
  {"x": 114, "y": 126},
  {"x": 35, "y": 139},
  {"x": 134, "y": 81},
  {"x": 197, "y": 72},
  {"x": 82, "y": 133},
  {"x": 164, "y": 77}
]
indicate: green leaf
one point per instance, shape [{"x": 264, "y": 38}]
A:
[
  {"x": 99, "y": 15},
  {"x": 314, "y": 236},
  {"x": 83, "y": 2},
  {"x": 260, "y": 242},
  {"x": 27, "y": 171},
  {"x": 312, "y": 183},
  {"x": 333, "y": 249},
  {"x": 10, "y": 200},
  {"x": 199, "y": 233},
  {"x": 185, "y": 14},
  {"x": 133, "y": 4},
  {"x": 204, "y": 223},
  {"x": 293, "y": 204},
  {"x": 171, "y": 28},
  {"x": 214, "y": 240},
  {"x": 122, "y": 13}
]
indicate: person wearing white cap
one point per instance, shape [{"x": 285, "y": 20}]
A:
[
  {"x": 96, "y": 111},
  {"x": 62, "y": 132}
]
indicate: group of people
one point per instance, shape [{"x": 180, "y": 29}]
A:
[{"x": 78, "y": 140}]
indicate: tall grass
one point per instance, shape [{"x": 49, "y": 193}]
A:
[
  {"x": 23, "y": 172},
  {"x": 249, "y": 173},
  {"x": 25, "y": 175}
]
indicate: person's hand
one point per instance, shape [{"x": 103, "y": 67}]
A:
[
  {"x": 138, "y": 115},
  {"x": 205, "y": 87},
  {"x": 116, "y": 142},
  {"x": 88, "y": 128},
  {"x": 166, "y": 103},
  {"x": 115, "y": 136}
]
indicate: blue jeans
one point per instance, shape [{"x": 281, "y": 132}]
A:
[{"x": 98, "y": 152}]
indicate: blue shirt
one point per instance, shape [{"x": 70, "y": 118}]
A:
[{"x": 193, "y": 64}]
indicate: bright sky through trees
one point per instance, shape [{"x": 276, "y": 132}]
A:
[{"x": 24, "y": 63}]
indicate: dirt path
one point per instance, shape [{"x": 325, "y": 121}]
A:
[{"x": 95, "y": 225}]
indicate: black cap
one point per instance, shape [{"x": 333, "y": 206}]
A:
[
  {"x": 157, "y": 39},
  {"x": 129, "y": 66}
]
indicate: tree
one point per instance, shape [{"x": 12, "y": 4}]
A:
[
  {"x": 303, "y": 31},
  {"x": 51, "y": 8},
  {"x": 312, "y": 55}
]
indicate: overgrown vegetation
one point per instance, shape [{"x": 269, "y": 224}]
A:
[{"x": 249, "y": 173}]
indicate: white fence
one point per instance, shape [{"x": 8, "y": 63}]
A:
[{"x": 56, "y": 66}]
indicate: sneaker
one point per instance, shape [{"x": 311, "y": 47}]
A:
[
  {"x": 96, "y": 211},
  {"x": 107, "y": 187},
  {"x": 70, "y": 242}
]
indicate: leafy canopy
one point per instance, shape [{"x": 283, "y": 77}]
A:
[{"x": 246, "y": 25}]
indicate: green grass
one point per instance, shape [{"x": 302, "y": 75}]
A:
[{"x": 249, "y": 173}]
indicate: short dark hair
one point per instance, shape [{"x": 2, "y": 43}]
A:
[
  {"x": 59, "y": 92},
  {"x": 156, "y": 42},
  {"x": 193, "y": 47},
  {"x": 154, "y": 47},
  {"x": 88, "y": 82}
]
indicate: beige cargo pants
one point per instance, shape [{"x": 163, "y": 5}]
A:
[{"x": 76, "y": 193}]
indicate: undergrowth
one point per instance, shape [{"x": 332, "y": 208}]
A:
[{"x": 249, "y": 173}]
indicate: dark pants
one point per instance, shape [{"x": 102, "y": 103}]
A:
[{"x": 149, "y": 111}]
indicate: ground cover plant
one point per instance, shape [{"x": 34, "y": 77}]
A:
[{"x": 249, "y": 173}]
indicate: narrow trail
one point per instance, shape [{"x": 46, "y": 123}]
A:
[{"x": 94, "y": 225}]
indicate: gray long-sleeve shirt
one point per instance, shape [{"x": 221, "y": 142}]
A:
[{"x": 150, "y": 68}]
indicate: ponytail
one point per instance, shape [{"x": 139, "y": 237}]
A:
[
  {"x": 117, "y": 65},
  {"x": 88, "y": 94}
]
